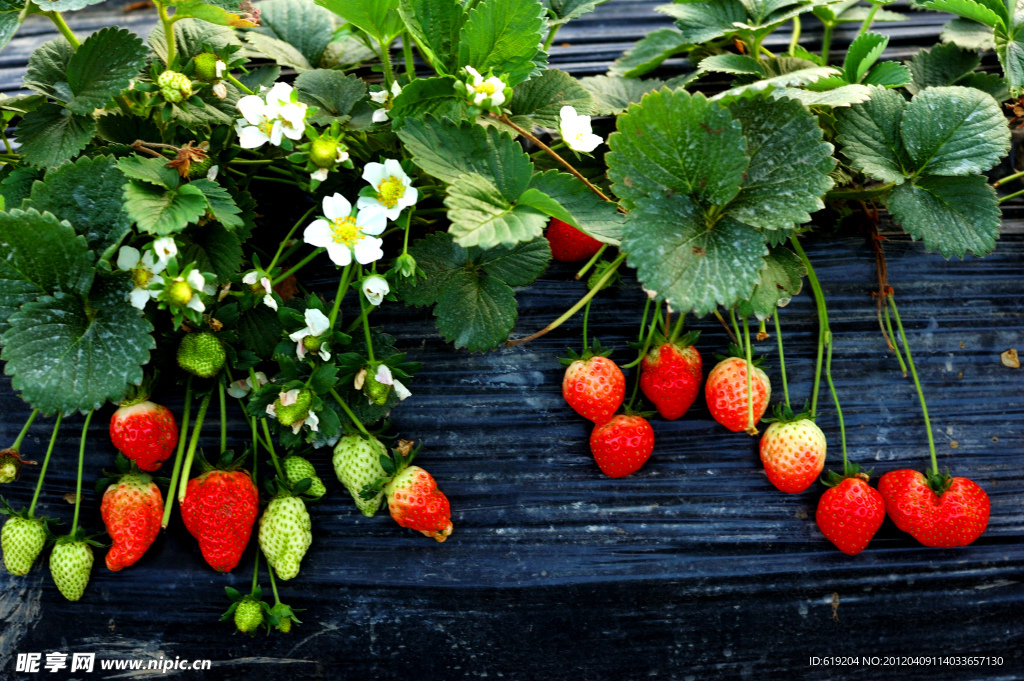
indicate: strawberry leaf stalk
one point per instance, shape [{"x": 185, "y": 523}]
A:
[
  {"x": 10, "y": 458},
  {"x": 413, "y": 498}
]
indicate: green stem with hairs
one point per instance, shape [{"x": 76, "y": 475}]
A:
[
  {"x": 169, "y": 39},
  {"x": 1008, "y": 178},
  {"x": 794, "y": 38},
  {"x": 678, "y": 328},
  {"x": 287, "y": 238},
  {"x": 895, "y": 345},
  {"x": 586, "y": 316},
  {"x": 826, "y": 42},
  {"x": 343, "y": 283},
  {"x": 782, "y": 359},
  {"x": 640, "y": 336},
  {"x": 223, "y": 417},
  {"x": 81, "y": 466},
  {"x": 186, "y": 468},
  {"x": 839, "y": 409},
  {"x": 385, "y": 59},
  {"x": 269, "y": 441},
  {"x": 273, "y": 584},
  {"x": 867, "y": 24},
  {"x": 24, "y": 430},
  {"x": 348, "y": 412},
  {"x": 819, "y": 299},
  {"x": 302, "y": 263},
  {"x": 255, "y": 572},
  {"x": 643, "y": 353},
  {"x": 551, "y": 37},
  {"x": 238, "y": 84},
  {"x": 42, "y": 471},
  {"x": 1011, "y": 196},
  {"x": 176, "y": 469},
  {"x": 410, "y": 66},
  {"x": 590, "y": 263},
  {"x": 917, "y": 384},
  {"x": 64, "y": 29},
  {"x": 750, "y": 370},
  {"x": 735, "y": 327},
  {"x": 366, "y": 328}
]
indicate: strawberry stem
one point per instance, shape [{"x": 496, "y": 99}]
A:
[
  {"x": 42, "y": 471},
  {"x": 348, "y": 412},
  {"x": 586, "y": 316},
  {"x": 190, "y": 455},
  {"x": 819, "y": 300},
  {"x": 270, "y": 448},
  {"x": 735, "y": 327},
  {"x": 366, "y": 328},
  {"x": 782, "y": 359},
  {"x": 176, "y": 470},
  {"x": 223, "y": 417},
  {"x": 732, "y": 336},
  {"x": 255, "y": 572},
  {"x": 590, "y": 263},
  {"x": 895, "y": 346},
  {"x": 81, "y": 466},
  {"x": 678, "y": 328},
  {"x": 917, "y": 384},
  {"x": 750, "y": 370},
  {"x": 839, "y": 410},
  {"x": 24, "y": 431},
  {"x": 288, "y": 237},
  {"x": 644, "y": 336},
  {"x": 273, "y": 583},
  {"x": 342, "y": 290}
]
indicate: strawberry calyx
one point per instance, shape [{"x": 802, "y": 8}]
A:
[
  {"x": 125, "y": 468},
  {"x": 237, "y": 599},
  {"x": 79, "y": 536},
  {"x": 7, "y": 510},
  {"x": 939, "y": 482},
  {"x": 137, "y": 394},
  {"x": 783, "y": 413},
  {"x": 394, "y": 464},
  {"x": 831, "y": 478},
  {"x": 281, "y": 616},
  {"x": 737, "y": 352},
  {"x": 595, "y": 350}
]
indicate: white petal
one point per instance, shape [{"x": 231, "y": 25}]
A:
[
  {"x": 251, "y": 138},
  {"x": 128, "y": 258},
  {"x": 251, "y": 277},
  {"x": 317, "y": 321},
  {"x": 567, "y": 114},
  {"x": 408, "y": 198},
  {"x": 318, "y": 233},
  {"x": 272, "y": 410},
  {"x": 300, "y": 351},
  {"x": 276, "y": 132},
  {"x": 324, "y": 352},
  {"x": 340, "y": 254},
  {"x": 265, "y": 283},
  {"x": 252, "y": 109},
  {"x": 383, "y": 375},
  {"x": 498, "y": 98},
  {"x": 379, "y": 97},
  {"x": 401, "y": 392},
  {"x": 280, "y": 94},
  {"x": 320, "y": 174},
  {"x": 269, "y": 301},
  {"x": 371, "y": 219},
  {"x": 336, "y": 206},
  {"x": 211, "y": 174},
  {"x": 396, "y": 89},
  {"x": 165, "y": 248},
  {"x": 313, "y": 421},
  {"x": 360, "y": 380},
  {"x": 196, "y": 304},
  {"x": 220, "y": 90},
  {"x": 368, "y": 250},
  {"x": 374, "y": 173},
  {"x": 394, "y": 169},
  {"x": 239, "y": 389},
  {"x": 289, "y": 397},
  {"x": 297, "y": 336},
  {"x": 196, "y": 280},
  {"x": 379, "y": 116},
  {"x": 473, "y": 72},
  {"x": 219, "y": 68},
  {"x": 139, "y": 297}
]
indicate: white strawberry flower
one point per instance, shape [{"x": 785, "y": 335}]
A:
[
  {"x": 288, "y": 398},
  {"x": 242, "y": 387},
  {"x": 394, "y": 190},
  {"x": 270, "y": 118},
  {"x": 485, "y": 92},
  {"x": 384, "y": 376},
  {"x": 317, "y": 324},
  {"x": 198, "y": 284},
  {"x": 380, "y": 116},
  {"x": 375, "y": 287},
  {"x": 144, "y": 268},
  {"x": 345, "y": 236},
  {"x": 379, "y": 97},
  {"x": 165, "y": 249},
  {"x": 576, "y": 131},
  {"x": 252, "y": 277}
]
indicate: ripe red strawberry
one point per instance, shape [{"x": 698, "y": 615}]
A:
[
  {"x": 132, "y": 509},
  {"x": 793, "y": 454},
  {"x": 670, "y": 378},
  {"x": 415, "y": 502},
  {"x": 569, "y": 244},
  {"x": 849, "y": 514},
  {"x": 955, "y": 518},
  {"x": 219, "y": 510},
  {"x": 145, "y": 432},
  {"x": 623, "y": 445},
  {"x": 726, "y": 393},
  {"x": 593, "y": 385}
]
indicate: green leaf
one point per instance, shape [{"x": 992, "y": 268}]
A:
[
  {"x": 952, "y": 215},
  {"x": 201, "y": 10},
  {"x": 798, "y": 78},
  {"x": 968, "y": 34},
  {"x": 888, "y": 74},
  {"x": 161, "y": 212},
  {"x": 48, "y": 67},
  {"x": 538, "y": 101},
  {"x": 863, "y": 53},
  {"x": 789, "y": 164},
  {"x": 221, "y": 204},
  {"x": 702, "y": 22},
  {"x": 564, "y": 11},
  {"x": 968, "y": 9},
  {"x": 870, "y": 136},
  {"x": 215, "y": 249},
  {"x": 504, "y": 35},
  {"x": 303, "y": 25},
  {"x": 1010, "y": 50},
  {"x": 482, "y": 216},
  {"x": 103, "y": 67},
  {"x": 692, "y": 267},
  {"x": 66, "y": 354},
  {"x": 51, "y": 135},
  {"x": 535, "y": 198},
  {"x": 676, "y": 142},
  {"x": 954, "y": 131},
  {"x": 87, "y": 193},
  {"x": 648, "y": 53},
  {"x": 612, "y": 95},
  {"x": 190, "y": 36},
  {"x": 841, "y": 96},
  {"x": 65, "y": 5},
  {"x": 738, "y": 64},
  {"x": 941, "y": 65},
  {"x": 259, "y": 330},
  {"x": 10, "y": 22},
  {"x": 379, "y": 18},
  {"x": 987, "y": 82},
  {"x": 41, "y": 256},
  {"x": 448, "y": 150},
  {"x": 860, "y": 13},
  {"x": 440, "y": 258},
  {"x": 17, "y": 184},
  {"x": 152, "y": 170},
  {"x": 278, "y": 50},
  {"x": 596, "y": 217},
  {"x": 435, "y": 96},
  {"x": 122, "y": 129},
  {"x": 519, "y": 265},
  {"x": 436, "y": 24},
  {"x": 476, "y": 312},
  {"x": 333, "y": 93},
  {"x": 780, "y": 280}
]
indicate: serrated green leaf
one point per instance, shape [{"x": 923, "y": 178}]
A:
[
  {"x": 215, "y": 249},
  {"x": 612, "y": 95},
  {"x": 987, "y": 82},
  {"x": 1010, "y": 50},
  {"x": 17, "y": 184},
  {"x": 440, "y": 258},
  {"x": 954, "y": 131},
  {"x": 48, "y": 67},
  {"x": 333, "y": 93},
  {"x": 888, "y": 74},
  {"x": 860, "y": 13},
  {"x": 648, "y": 53},
  {"x": 87, "y": 193},
  {"x": 161, "y": 212},
  {"x": 968, "y": 9},
  {"x": 190, "y": 36},
  {"x": 154, "y": 171},
  {"x": 564, "y": 11},
  {"x": 436, "y": 25},
  {"x": 538, "y": 101},
  {"x": 481, "y": 216},
  {"x": 41, "y": 256},
  {"x": 504, "y": 35},
  {"x": 65, "y": 5},
  {"x": 122, "y": 129},
  {"x": 863, "y": 53},
  {"x": 870, "y": 136},
  {"x": 51, "y": 135},
  {"x": 780, "y": 280},
  {"x": 221, "y": 204},
  {"x": 738, "y": 64},
  {"x": 279, "y": 51},
  {"x": 952, "y": 215},
  {"x": 693, "y": 267},
  {"x": 102, "y": 67},
  {"x": 941, "y": 65},
  {"x": 844, "y": 95},
  {"x": 677, "y": 142},
  {"x": 435, "y": 96},
  {"x": 798, "y": 78},
  {"x": 303, "y": 25},
  {"x": 968, "y": 34},
  {"x": 519, "y": 265},
  {"x": 66, "y": 354},
  {"x": 789, "y": 164},
  {"x": 10, "y": 22},
  {"x": 379, "y": 18},
  {"x": 535, "y": 198},
  {"x": 206, "y": 12},
  {"x": 475, "y": 312},
  {"x": 702, "y": 22},
  {"x": 259, "y": 330},
  {"x": 214, "y": 111},
  {"x": 596, "y": 217}
]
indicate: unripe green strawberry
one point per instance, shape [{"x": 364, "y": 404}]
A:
[
  {"x": 285, "y": 535},
  {"x": 312, "y": 343},
  {"x": 179, "y": 293},
  {"x": 375, "y": 390},
  {"x": 357, "y": 464},
  {"x": 296, "y": 468},
  {"x": 22, "y": 539},
  {"x": 70, "y": 565},
  {"x": 248, "y": 615},
  {"x": 10, "y": 466},
  {"x": 174, "y": 86},
  {"x": 323, "y": 151},
  {"x": 297, "y": 411},
  {"x": 285, "y": 625},
  {"x": 206, "y": 67},
  {"x": 199, "y": 168},
  {"x": 201, "y": 354}
]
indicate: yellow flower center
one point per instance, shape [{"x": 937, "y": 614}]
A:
[
  {"x": 344, "y": 231},
  {"x": 486, "y": 87},
  {"x": 141, "y": 277},
  {"x": 266, "y": 127},
  {"x": 389, "y": 191}
]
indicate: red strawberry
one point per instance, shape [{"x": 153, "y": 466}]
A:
[
  {"x": 219, "y": 510},
  {"x": 569, "y": 244},
  {"x": 670, "y": 378},
  {"x": 956, "y": 517},
  {"x": 849, "y": 514},
  {"x": 132, "y": 509},
  {"x": 415, "y": 502},
  {"x": 793, "y": 454},
  {"x": 145, "y": 432},
  {"x": 726, "y": 393},
  {"x": 623, "y": 445},
  {"x": 593, "y": 385}
]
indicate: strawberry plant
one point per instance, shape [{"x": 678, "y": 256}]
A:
[{"x": 172, "y": 203}]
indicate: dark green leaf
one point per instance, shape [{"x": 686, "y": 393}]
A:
[
  {"x": 941, "y": 65},
  {"x": 379, "y": 18},
  {"x": 519, "y": 265},
  {"x": 738, "y": 64},
  {"x": 592, "y": 214},
  {"x": 102, "y": 67},
  {"x": 870, "y": 135},
  {"x": 863, "y": 53},
  {"x": 481, "y": 216},
  {"x": 504, "y": 35},
  {"x": 476, "y": 312},
  {"x": 968, "y": 34},
  {"x": 538, "y": 101},
  {"x": 333, "y": 93},
  {"x": 10, "y": 22},
  {"x": 51, "y": 135},
  {"x": 648, "y": 53},
  {"x": 48, "y": 67},
  {"x": 780, "y": 280},
  {"x": 701, "y": 22},
  {"x": 563, "y": 11},
  {"x": 888, "y": 74},
  {"x": 122, "y": 129},
  {"x": 440, "y": 258},
  {"x": 278, "y": 50},
  {"x": 435, "y": 96},
  {"x": 154, "y": 171},
  {"x": 260, "y": 330},
  {"x": 968, "y": 9},
  {"x": 952, "y": 215},
  {"x": 161, "y": 211},
  {"x": 221, "y": 203},
  {"x": 17, "y": 185},
  {"x": 612, "y": 94},
  {"x": 987, "y": 82},
  {"x": 215, "y": 249},
  {"x": 436, "y": 25},
  {"x": 303, "y": 25}
]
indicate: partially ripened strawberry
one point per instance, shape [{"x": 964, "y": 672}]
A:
[
  {"x": 219, "y": 510},
  {"x": 593, "y": 385},
  {"x": 793, "y": 454},
  {"x": 955, "y": 517},
  {"x": 144, "y": 432},
  {"x": 726, "y": 393},
  {"x": 670, "y": 378},
  {"x": 569, "y": 244},
  {"x": 415, "y": 502},
  {"x": 132, "y": 509},
  {"x": 623, "y": 445},
  {"x": 357, "y": 464},
  {"x": 849, "y": 514}
]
